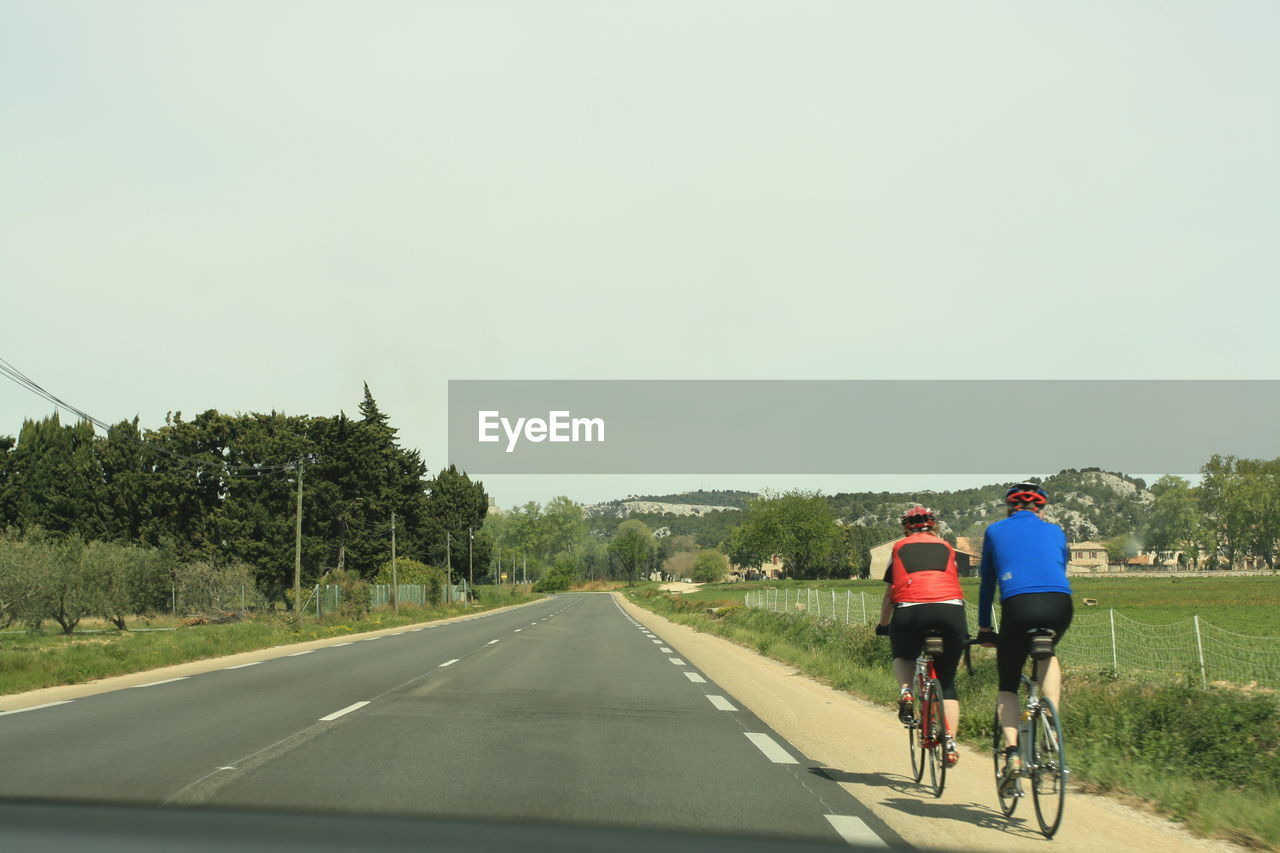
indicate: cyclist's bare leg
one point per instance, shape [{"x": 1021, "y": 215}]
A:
[
  {"x": 1050, "y": 675},
  {"x": 951, "y": 710},
  {"x": 904, "y": 670},
  {"x": 1007, "y": 707}
]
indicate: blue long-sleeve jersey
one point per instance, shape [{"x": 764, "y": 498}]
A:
[{"x": 1022, "y": 553}]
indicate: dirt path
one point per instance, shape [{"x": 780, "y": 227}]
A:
[{"x": 862, "y": 746}]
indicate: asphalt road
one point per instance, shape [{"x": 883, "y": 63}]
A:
[{"x": 563, "y": 711}]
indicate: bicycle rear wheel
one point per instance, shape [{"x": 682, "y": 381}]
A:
[
  {"x": 915, "y": 735},
  {"x": 1048, "y": 768},
  {"x": 935, "y": 738},
  {"x": 1008, "y": 801}
]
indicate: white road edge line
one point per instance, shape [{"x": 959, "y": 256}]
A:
[
  {"x": 335, "y": 645},
  {"x": 166, "y": 681},
  {"x": 243, "y": 665},
  {"x": 295, "y": 654},
  {"x": 450, "y": 662},
  {"x": 855, "y": 831},
  {"x": 770, "y": 748},
  {"x": 721, "y": 703},
  {"x": 37, "y": 707},
  {"x": 677, "y": 661},
  {"x": 347, "y": 710},
  {"x": 659, "y": 642},
  {"x": 664, "y": 649},
  {"x": 695, "y": 678}
]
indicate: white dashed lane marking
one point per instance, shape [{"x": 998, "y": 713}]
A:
[
  {"x": 347, "y": 710},
  {"x": 854, "y": 831},
  {"x": 450, "y": 662},
  {"x": 770, "y": 748},
  {"x": 721, "y": 703},
  {"x": 243, "y": 665},
  {"x": 677, "y": 661}
]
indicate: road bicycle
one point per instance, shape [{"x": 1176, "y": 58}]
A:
[
  {"x": 927, "y": 731},
  {"x": 1041, "y": 746}
]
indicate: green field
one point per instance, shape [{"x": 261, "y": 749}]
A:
[{"x": 1244, "y": 605}]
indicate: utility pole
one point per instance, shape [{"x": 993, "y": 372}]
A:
[
  {"x": 471, "y": 571},
  {"x": 297, "y": 548},
  {"x": 395, "y": 585}
]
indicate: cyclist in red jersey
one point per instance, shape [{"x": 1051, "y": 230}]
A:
[{"x": 924, "y": 592}]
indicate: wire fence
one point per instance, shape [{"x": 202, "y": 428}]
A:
[
  {"x": 326, "y": 598},
  {"x": 1191, "y": 650}
]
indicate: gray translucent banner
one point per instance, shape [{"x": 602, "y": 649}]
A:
[{"x": 857, "y": 426}]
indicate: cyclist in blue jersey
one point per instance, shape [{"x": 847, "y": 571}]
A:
[{"x": 1026, "y": 557}]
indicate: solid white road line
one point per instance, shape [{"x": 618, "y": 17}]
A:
[
  {"x": 695, "y": 678},
  {"x": 770, "y": 748},
  {"x": 347, "y": 710},
  {"x": 855, "y": 831},
  {"x": 677, "y": 661},
  {"x": 450, "y": 662},
  {"x": 243, "y": 665},
  {"x": 166, "y": 681},
  {"x": 36, "y": 707},
  {"x": 721, "y": 703},
  {"x": 295, "y": 654}
]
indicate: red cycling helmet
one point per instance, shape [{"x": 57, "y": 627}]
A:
[
  {"x": 1026, "y": 493},
  {"x": 919, "y": 518}
]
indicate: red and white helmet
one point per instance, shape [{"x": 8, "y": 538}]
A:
[{"x": 919, "y": 518}]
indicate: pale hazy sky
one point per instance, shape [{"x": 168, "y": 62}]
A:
[{"x": 258, "y": 205}]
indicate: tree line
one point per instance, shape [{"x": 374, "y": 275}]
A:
[{"x": 222, "y": 490}]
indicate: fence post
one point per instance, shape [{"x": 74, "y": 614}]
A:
[
  {"x": 864, "y": 608},
  {"x": 317, "y": 594},
  {"x": 1204, "y": 680},
  {"x": 848, "y": 597},
  {"x": 833, "y": 605},
  {"x": 1115, "y": 661}
]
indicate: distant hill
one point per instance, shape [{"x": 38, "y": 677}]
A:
[
  {"x": 1089, "y": 503},
  {"x": 702, "y": 497}
]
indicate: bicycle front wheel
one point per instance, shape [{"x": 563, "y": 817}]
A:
[
  {"x": 1007, "y": 797},
  {"x": 1048, "y": 768},
  {"x": 915, "y": 735},
  {"x": 935, "y": 738}
]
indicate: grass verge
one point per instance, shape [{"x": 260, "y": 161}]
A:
[
  {"x": 31, "y": 661},
  {"x": 1208, "y": 758}
]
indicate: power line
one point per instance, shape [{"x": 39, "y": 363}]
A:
[{"x": 22, "y": 380}]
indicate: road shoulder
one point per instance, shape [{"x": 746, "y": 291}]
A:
[{"x": 863, "y": 748}]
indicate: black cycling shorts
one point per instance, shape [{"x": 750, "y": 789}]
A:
[
  {"x": 906, "y": 637},
  {"x": 1020, "y": 614}
]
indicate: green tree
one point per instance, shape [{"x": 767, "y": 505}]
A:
[
  {"x": 798, "y": 525},
  {"x": 125, "y": 580},
  {"x": 1176, "y": 522},
  {"x": 709, "y": 566},
  {"x": 633, "y": 546}
]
